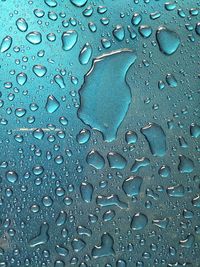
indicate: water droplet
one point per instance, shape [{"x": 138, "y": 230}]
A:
[
  {"x": 51, "y": 3},
  {"x": 78, "y": 244},
  {"x": 176, "y": 191},
  {"x": 62, "y": 251},
  {"x": 112, "y": 200},
  {"x": 186, "y": 165},
  {"x": 164, "y": 171},
  {"x": 168, "y": 40},
  {"x": 38, "y": 134},
  {"x": 69, "y": 39},
  {"x": 12, "y": 176},
  {"x": 139, "y": 221},
  {"x": 34, "y": 37},
  {"x": 116, "y": 160},
  {"x": 140, "y": 163},
  {"x": 79, "y": 3},
  {"x": 156, "y": 139},
  {"x": 86, "y": 192},
  {"x": 22, "y": 24},
  {"x": 169, "y": 6},
  {"x": 6, "y": 44},
  {"x": 83, "y": 136},
  {"x": 60, "y": 81},
  {"x": 85, "y": 54},
  {"x": 21, "y": 78},
  {"x": 61, "y": 219},
  {"x": 131, "y": 137},
  {"x": 106, "y": 247},
  {"x": 108, "y": 215},
  {"x": 39, "y": 70},
  {"x": 132, "y": 185},
  {"x": 145, "y": 31},
  {"x": 119, "y": 32},
  {"x": 95, "y": 160},
  {"x": 42, "y": 237},
  {"x": 161, "y": 223},
  {"x": 171, "y": 80},
  {"x": 195, "y": 130},
  {"x": 188, "y": 242},
  {"x": 136, "y": 19},
  {"x": 52, "y": 104}
]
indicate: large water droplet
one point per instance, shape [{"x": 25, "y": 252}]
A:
[
  {"x": 132, "y": 185},
  {"x": 21, "y": 78},
  {"x": 69, "y": 39},
  {"x": 139, "y": 221},
  {"x": 39, "y": 70},
  {"x": 95, "y": 160},
  {"x": 52, "y": 104},
  {"x": 156, "y": 138},
  {"x": 34, "y": 37},
  {"x": 116, "y": 160},
  {"x": 12, "y": 176},
  {"x": 85, "y": 54},
  {"x": 106, "y": 247},
  {"x": 168, "y": 40},
  {"x": 22, "y": 24}
]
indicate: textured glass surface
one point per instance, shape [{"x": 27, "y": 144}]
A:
[{"x": 99, "y": 133}]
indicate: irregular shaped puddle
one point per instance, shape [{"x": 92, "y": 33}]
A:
[{"x": 105, "y": 95}]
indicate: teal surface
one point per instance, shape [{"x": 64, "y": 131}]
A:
[{"x": 99, "y": 133}]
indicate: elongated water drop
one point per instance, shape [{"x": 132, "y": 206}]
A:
[
  {"x": 85, "y": 54},
  {"x": 156, "y": 138},
  {"x": 6, "y": 44},
  {"x": 60, "y": 81}
]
